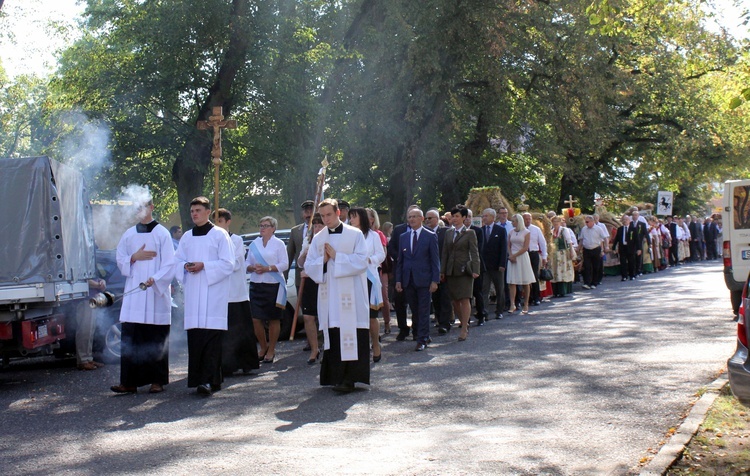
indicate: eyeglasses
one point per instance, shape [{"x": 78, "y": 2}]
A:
[{"x": 265, "y": 225}]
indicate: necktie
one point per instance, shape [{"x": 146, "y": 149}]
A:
[
  {"x": 486, "y": 233},
  {"x": 624, "y": 236},
  {"x": 414, "y": 242}
]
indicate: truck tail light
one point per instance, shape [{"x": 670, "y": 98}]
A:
[{"x": 726, "y": 253}]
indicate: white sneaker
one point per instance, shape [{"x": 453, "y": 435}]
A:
[
  {"x": 586, "y": 286},
  {"x": 593, "y": 287}
]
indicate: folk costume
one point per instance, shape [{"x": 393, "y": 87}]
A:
[
  {"x": 563, "y": 254},
  {"x": 146, "y": 315},
  {"x": 343, "y": 304},
  {"x": 206, "y": 299}
]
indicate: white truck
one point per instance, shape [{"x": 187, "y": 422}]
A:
[
  {"x": 47, "y": 253},
  {"x": 735, "y": 218}
]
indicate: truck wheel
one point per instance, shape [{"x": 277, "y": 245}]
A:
[{"x": 736, "y": 297}]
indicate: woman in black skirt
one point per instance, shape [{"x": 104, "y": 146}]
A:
[
  {"x": 266, "y": 261},
  {"x": 310, "y": 296}
]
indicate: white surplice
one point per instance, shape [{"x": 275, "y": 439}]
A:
[
  {"x": 238, "y": 289},
  {"x": 342, "y": 289},
  {"x": 207, "y": 291},
  {"x": 154, "y": 305}
]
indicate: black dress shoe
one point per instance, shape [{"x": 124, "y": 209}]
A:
[
  {"x": 204, "y": 389},
  {"x": 123, "y": 389},
  {"x": 215, "y": 387},
  {"x": 402, "y": 336},
  {"x": 480, "y": 322},
  {"x": 443, "y": 330},
  {"x": 344, "y": 387},
  {"x": 420, "y": 347},
  {"x": 624, "y": 279},
  {"x": 499, "y": 316}
]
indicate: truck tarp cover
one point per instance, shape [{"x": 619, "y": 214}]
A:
[{"x": 46, "y": 232}]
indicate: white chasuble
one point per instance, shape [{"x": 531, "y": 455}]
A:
[
  {"x": 153, "y": 305},
  {"x": 342, "y": 292},
  {"x": 207, "y": 291}
]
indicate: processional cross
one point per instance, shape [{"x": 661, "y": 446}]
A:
[
  {"x": 217, "y": 123},
  {"x": 570, "y": 202}
]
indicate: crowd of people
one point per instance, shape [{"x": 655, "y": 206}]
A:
[{"x": 350, "y": 271}]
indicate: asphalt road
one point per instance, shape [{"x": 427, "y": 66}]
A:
[{"x": 582, "y": 385}]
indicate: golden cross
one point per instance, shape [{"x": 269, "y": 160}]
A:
[
  {"x": 570, "y": 202},
  {"x": 217, "y": 123}
]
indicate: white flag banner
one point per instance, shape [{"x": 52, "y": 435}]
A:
[{"x": 664, "y": 203}]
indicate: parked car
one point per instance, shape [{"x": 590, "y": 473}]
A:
[
  {"x": 738, "y": 365},
  {"x": 291, "y": 290}
]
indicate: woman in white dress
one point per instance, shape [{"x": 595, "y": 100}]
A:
[
  {"x": 519, "y": 272},
  {"x": 376, "y": 254}
]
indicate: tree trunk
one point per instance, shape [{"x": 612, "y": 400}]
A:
[{"x": 193, "y": 162}]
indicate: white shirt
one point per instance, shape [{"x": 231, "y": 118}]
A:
[
  {"x": 685, "y": 231},
  {"x": 275, "y": 255},
  {"x": 592, "y": 238},
  {"x": 537, "y": 241}
]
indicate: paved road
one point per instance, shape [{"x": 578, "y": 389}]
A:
[{"x": 587, "y": 385}]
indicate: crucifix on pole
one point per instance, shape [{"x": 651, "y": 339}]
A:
[
  {"x": 217, "y": 123},
  {"x": 570, "y": 202}
]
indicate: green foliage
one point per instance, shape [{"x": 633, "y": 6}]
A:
[{"x": 414, "y": 102}]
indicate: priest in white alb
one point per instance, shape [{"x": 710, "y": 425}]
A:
[
  {"x": 205, "y": 261},
  {"x": 145, "y": 255},
  {"x": 337, "y": 261}
]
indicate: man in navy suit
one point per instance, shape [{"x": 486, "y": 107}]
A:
[
  {"x": 494, "y": 257},
  {"x": 399, "y": 301},
  {"x": 418, "y": 273}
]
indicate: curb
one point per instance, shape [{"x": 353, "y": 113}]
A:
[{"x": 674, "y": 447}]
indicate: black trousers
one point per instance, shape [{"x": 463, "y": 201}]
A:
[
  {"x": 399, "y": 304},
  {"x": 695, "y": 250},
  {"x": 144, "y": 357},
  {"x": 204, "y": 357},
  {"x": 627, "y": 264},
  {"x": 673, "y": 254},
  {"x": 441, "y": 302},
  {"x": 592, "y": 263},
  {"x": 478, "y": 299},
  {"x": 535, "y": 261}
]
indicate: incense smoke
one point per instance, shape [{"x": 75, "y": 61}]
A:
[{"x": 86, "y": 147}]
